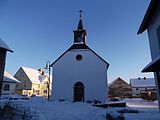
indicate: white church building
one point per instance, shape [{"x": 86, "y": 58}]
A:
[{"x": 80, "y": 74}]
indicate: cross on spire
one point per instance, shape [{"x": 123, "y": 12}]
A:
[{"x": 80, "y": 11}]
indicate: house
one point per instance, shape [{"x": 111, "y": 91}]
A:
[
  {"x": 3, "y": 51},
  {"x": 119, "y": 88},
  {"x": 32, "y": 82},
  {"x": 151, "y": 23},
  {"x": 80, "y": 74},
  {"x": 142, "y": 85},
  {"x": 8, "y": 84}
]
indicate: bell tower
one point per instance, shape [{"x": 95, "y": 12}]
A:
[{"x": 80, "y": 33}]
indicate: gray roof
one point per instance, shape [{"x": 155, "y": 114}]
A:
[
  {"x": 141, "y": 82},
  {"x": 4, "y": 46},
  {"x": 153, "y": 66},
  {"x": 148, "y": 16},
  {"x": 9, "y": 78}
]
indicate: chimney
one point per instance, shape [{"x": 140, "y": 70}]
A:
[{"x": 41, "y": 71}]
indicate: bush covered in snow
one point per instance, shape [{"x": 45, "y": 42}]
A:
[{"x": 115, "y": 116}]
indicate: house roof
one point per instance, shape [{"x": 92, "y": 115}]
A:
[
  {"x": 9, "y": 78},
  {"x": 4, "y": 46},
  {"x": 148, "y": 16},
  {"x": 34, "y": 75},
  {"x": 141, "y": 82},
  {"x": 79, "y": 46},
  {"x": 120, "y": 79},
  {"x": 153, "y": 66}
]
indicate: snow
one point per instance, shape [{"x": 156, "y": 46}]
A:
[
  {"x": 33, "y": 74},
  {"x": 147, "y": 82},
  {"x": 9, "y": 78},
  {"x": 55, "y": 110},
  {"x": 4, "y": 45}
]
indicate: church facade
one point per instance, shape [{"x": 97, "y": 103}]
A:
[{"x": 80, "y": 74}]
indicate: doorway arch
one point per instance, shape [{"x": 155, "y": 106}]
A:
[{"x": 78, "y": 92}]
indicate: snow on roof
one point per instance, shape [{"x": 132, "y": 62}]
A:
[
  {"x": 9, "y": 78},
  {"x": 142, "y": 82},
  {"x": 34, "y": 75},
  {"x": 4, "y": 45},
  {"x": 119, "y": 78}
]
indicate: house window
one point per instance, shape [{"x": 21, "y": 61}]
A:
[
  {"x": 6, "y": 87},
  {"x": 79, "y": 57},
  {"x": 37, "y": 92},
  {"x": 137, "y": 89},
  {"x": 158, "y": 34},
  {"x": 45, "y": 91}
]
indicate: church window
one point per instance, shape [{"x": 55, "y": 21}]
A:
[{"x": 79, "y": 57}]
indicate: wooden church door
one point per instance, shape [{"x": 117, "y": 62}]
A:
[{"x": 78, "y": 92}]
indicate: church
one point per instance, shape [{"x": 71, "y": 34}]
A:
[{"x": 80, "y": 74}]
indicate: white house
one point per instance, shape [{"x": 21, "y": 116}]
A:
[
  {"x": 3, "y": 51},
  {"x": 151, "y": 23},
  {"x": 8, "y": 84},
  {"x": 79, "y": 73},
  {"x": 139, "y": 85}
]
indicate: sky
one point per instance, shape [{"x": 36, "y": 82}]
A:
[{"x": 41, "y": 30}]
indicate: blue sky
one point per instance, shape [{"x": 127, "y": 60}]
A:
[{"x": 41, "y": 30}]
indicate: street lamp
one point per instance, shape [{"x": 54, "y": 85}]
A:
[{"x": 49, "y": 69}]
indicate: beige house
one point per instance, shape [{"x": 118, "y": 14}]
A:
[
  {"x": 119, "y": 88},
  {"x": 32, "y": 82},
  {"x": 8, "y": 84}
]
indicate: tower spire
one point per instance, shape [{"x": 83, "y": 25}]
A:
[
  {"x": 80, "y": 33},
  {"x": 80, "y": 24}
]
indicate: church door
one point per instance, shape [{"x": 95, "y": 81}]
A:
[{"x": 78, "y": 92}]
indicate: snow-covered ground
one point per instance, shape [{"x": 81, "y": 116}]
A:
[{"x": 83, "y": 111}]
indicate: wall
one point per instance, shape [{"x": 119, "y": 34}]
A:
[
  {"x": 44, "y": 86},
  {"x": 120, "y": 88},
  {"x": 11, "y": 88},
  {"x": 155, "y": 46},
  {"x": 91, "y": 70},
  {"x": 137, "y": 90},
  {"x": 25, "y": 83},
  {"x": 152, "y": 34}
]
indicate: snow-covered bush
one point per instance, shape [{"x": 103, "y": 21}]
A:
[
  {"x": 114, "y": 116},
  {"x": 11, "y": 111}
]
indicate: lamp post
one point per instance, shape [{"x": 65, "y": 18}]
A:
[{"x": 49, "y": 69}]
